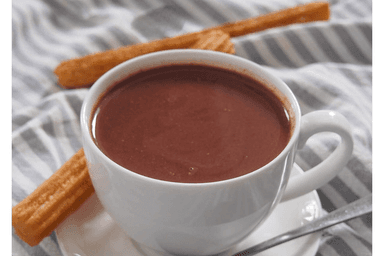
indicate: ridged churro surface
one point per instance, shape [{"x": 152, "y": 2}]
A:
[
  {"x": 215, "y": 40},
  {"x": 43, "y": 210}
]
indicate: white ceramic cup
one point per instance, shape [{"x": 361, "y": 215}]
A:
[{"x": 207, "y": 218}]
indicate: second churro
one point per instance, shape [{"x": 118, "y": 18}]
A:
[{"x": 84, "y": 71}]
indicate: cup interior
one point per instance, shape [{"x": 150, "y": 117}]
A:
[{"x": 210, "y": 58}]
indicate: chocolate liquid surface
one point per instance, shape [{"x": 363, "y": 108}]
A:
[{"x": 190, "y": 123}]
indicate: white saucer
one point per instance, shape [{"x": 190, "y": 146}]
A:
[{"x": 90, "y": 231}]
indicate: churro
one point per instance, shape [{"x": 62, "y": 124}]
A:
[
  {"x": 215, "y": 40},
  {"x": 43, "y": 210},
  {"x": 315, "y": 11},
  {"x": 84, "y": 71}
]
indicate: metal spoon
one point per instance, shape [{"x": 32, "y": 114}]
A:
[{"x": 350, "y": 211}]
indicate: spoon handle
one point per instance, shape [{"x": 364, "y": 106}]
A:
[{"x": 350, "y": 211}]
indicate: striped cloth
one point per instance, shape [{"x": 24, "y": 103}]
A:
[{"x": 328, "y": 65}]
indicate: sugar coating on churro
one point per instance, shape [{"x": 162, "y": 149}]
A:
[
  {"x": 84, "y": 71},
  {"x": 44, "y": 209},
  {"x": 215, "y": 40},
  {"x": 310, "y": 12}
]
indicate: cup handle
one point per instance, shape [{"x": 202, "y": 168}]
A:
[{"x": 312, "y": 123}]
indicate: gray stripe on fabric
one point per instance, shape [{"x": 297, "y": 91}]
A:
[
  {"x": 357, "y": 122},
  {"x": 67, "y": 126},
  {"x": 352, "y": 75},
  {"x": 336, "y": 14},
  {"x": 359, "y": 170},
  {"x": 99, "y": 3},
  {"x": 324, "y": 44},
  {"x": 368, "y": 76},
  {"x": 26, "y": 34},
  {"x": 56, "y": 23},
  {"x": 252, "y": 53},
  {"x": 338, "y": 185},
  {"x": 261, "y": 8},
  {"x": 20, "y": 97},
  {"x": 369, "y": 5},
  {"x": 341, "y": 14},
  {"x": 353, "y": 78},
  {"x": 73, "y": 16},
  {"x": 355, "y": 166},
  {"x": 367, "y": 220},
  {"x": 366, "y": 30},
  {"x": 361, "y": 116},
  {"x": 325, "y": 201},
  {"x": 38, "y": 147},
  {"x": 147, "y": 27},
  {"x": 368, "y": 13},
  {"x": 343, "y": 189},
  {"x": 304, "y": 95},
  {"x": 278, "y": 52},
  {"x": 48, "y": 128},
  {"x": 100, "y": 42},
  {"x": 32, "y": 251},
  {"x": 120, "y": 2},
  {"x": 313, "y": 159},
  {"x": 350, "y": 44},
  {"x": 143, "y": 4},
  {"x": 71, "y": 135},
  {"x": 19, "y": 120},
  {"x": 44, "y": 33},
  {"x": 58, "y": 20},
  {"x": 365, "y": 142},
  {"x": 28, "y": 80},
  {"x": 339, "y": 245},
  {"x": 367, "y": 244},
  {"x": 324, "y": 85},
  {"x": 75, "y": 102},
  {"x": 80, "y": 49},
  {"x": 25, "y": 167},
  {"x": 161, "y": 22},
  {"x": 23, "y": 58},
  {"x": 238, "y": 10},
  {"x": 210, "y": 11},
  {"x": 53, "y": 236},
  {"x": 121, "y": 36},
  {"x": 185, "y": 13},
  {"x": 18, "y": 194},
  {"x": 299, "y": 46},
  {"x": 350, "y": 7},
  {"x": 32, "y": 83}
]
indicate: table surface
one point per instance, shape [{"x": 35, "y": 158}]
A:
[{"x": 328, "y": 65}]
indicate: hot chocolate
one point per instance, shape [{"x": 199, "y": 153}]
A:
[{"x": 190, "y": 123}]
